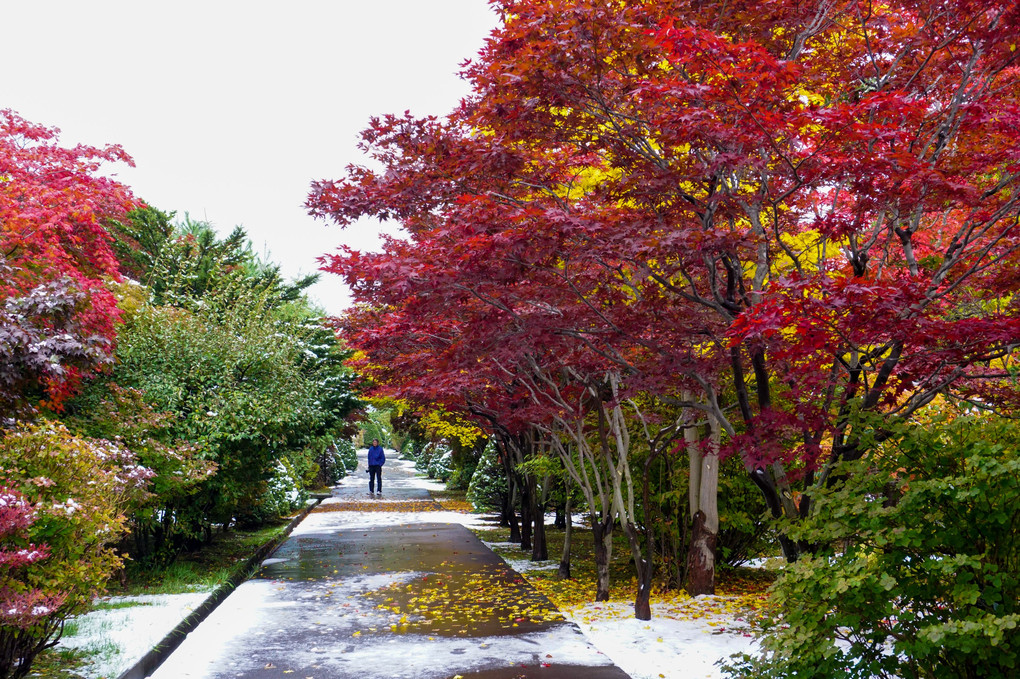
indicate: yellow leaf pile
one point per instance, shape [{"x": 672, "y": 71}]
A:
[
  {"x": 454, "y": 603},
  {"x": 740, "y": 593}
]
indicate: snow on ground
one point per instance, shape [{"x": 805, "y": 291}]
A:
[
  {"x": 670, "y": 645},
  {"x": 683, "y": 640},
  {"x": 122, "y": 635}
]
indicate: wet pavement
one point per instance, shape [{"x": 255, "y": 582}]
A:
[{"x": 391, "y": 587}]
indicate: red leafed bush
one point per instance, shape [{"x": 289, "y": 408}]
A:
[
  {"x": 62, "y": 499},
  {"x": 24, "y": 611}
]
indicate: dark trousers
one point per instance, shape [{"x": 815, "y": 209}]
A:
[{"x": 374, "y": 477}]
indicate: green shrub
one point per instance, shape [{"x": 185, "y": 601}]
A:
[
  {"x": 440, "y": 465},
  {"x": 331, "y": 464},
  {"x": 78, "y": 489},
  {"x": 348, "y": 454},
  {"x": 424, "y": 457},
  {"x": 377, "y": 426},
  {"x": 916, "y": 572},
  {"x": 488, "y": 488},
  {"x": 282, "y": 495},
  {"x": 744, "y": 528},
  {"x": 163, "y": 521},
  {"x": 460, "y": 477}
]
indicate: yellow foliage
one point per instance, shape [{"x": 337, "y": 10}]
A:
[
  {"x": 450, "y": 426},
  {"x": 131, "y": 297}
]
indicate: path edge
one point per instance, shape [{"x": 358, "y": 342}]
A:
[{"x": 155, "y": 657}]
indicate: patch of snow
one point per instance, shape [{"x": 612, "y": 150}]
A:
[
  {"x": 662, "y": 646},
  {"x": 123, "y": 635},
  {"x": 354, "y": 520},
  {"x": 523, "y": 564},
  {"x": 249, "y": 613},
  {"x": 430, "y": 657},
  {"x": 766, "y": 562},
  {"x": 375, "y": 581}
]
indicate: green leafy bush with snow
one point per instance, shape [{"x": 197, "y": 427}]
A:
[
  {"x": 77, "y": 489},
  {"x": 488, "y": 488},
  {"x": 336, "y": 459},
  {"x": 283, "y": 494},
  {"x": 348, "y": 454},
  {"x": 916, "y": 566},
  {"x": 440, "y": 465}
]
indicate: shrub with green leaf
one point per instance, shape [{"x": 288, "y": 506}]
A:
[
  {"x": 27, "y": 625},
  {"x": 163, "y": 520},
  {"x": 440, "y": 465},
  {"x": 377, "y": 426},
  {"x": 916, "y": 566},
  {"x": 242, "y": 370},
  {"x": 281, "y": 495},
  {"x": 488, "y": 489},
  {"x": 744, "y": 528},
  {"x": 77, "y": 489},
  {"x": 329, "y": 464},
  {"x": 348, "y": 454}
]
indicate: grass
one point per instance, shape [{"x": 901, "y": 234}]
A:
[
  {"x": 66, "y": 663},
  {"x": 114, "y": 605},
  {"x": 201, "y": 570},
  {"x": 73, "y": 662}
]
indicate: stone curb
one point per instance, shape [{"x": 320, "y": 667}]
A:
[{"x": 149, "y": 662}]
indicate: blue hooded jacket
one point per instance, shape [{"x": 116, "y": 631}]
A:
[{"x": 376, "y": 456}]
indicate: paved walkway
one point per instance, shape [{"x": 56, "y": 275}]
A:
[{"x": 385, "y": 587}]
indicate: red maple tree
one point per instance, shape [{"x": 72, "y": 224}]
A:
[
  {"x": 58, "y": 316},
  {"x": 804, "y": 216}
]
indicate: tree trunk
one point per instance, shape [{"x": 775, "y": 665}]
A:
[
  {"x": 564, "y": 571},
  {"x": 603, "y": 534},
  {"x": 761, "y": 478},
  {"x": 701, "y": 558},
  {"x": 526, "y": 514},
  {"x": 704, "y": 501},
  {"x": 539, "y": 547},
  {"x": 506, "y": 510},
  {"x": 644, "y": 570},
  {"x": 515, "y": 527},
  {"x": 513, "y": 488}
]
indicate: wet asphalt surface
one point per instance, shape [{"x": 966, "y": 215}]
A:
[{"x": 393, "y": 592}]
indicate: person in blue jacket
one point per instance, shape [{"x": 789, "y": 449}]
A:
[{"x": 376, "y": 460}]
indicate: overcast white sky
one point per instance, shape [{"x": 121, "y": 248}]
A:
[{"x": 230, "y": 108}]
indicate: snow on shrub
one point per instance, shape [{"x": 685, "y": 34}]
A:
[
  {"x": 282, "y": 495},
  {"x": 331, "y": 465},
  {"x": 338, "y": 459},
  {"x": 488, "y": 488},
  {"x": 441, "y": 464},
  {"x": 348, "y": 454},
  {"x": 61, "y": 509}
]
